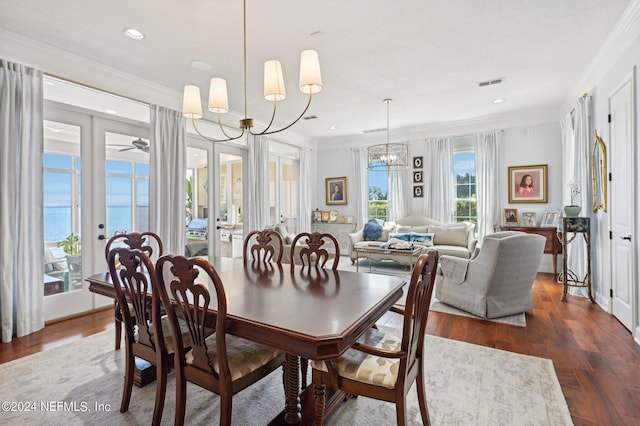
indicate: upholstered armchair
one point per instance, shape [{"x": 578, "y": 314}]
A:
[{"x": 497, "y": 281}]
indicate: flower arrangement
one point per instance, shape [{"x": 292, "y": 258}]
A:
[{"x": 574, "y": 188}]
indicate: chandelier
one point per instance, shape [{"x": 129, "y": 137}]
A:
[
  {"x": 310, "y": 82},
  {"x": 388, "y": 156}
]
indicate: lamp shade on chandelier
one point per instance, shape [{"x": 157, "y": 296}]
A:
[
  {"x": 388, "y": 156},
  {"x": 310, "y": 82}
]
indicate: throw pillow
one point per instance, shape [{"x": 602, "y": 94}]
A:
[
  {"x": 405, "y": 229},
  {"x": 454, "y": 235},
  {"x": 425, "y": 239},
  {"x": 402, "y": 237},
  {"x": 372, "y": 230}
]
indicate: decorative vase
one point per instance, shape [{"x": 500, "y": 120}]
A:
[{"x": 572, "y": 211}]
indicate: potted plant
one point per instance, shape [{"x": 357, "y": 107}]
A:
[
  {"x": 573, "y": 210},
  {"x": 71, "y": 244}
]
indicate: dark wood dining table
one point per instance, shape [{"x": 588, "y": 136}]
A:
[{"x": 310, "y": 313}]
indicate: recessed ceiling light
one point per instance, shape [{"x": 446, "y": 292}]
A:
[
  {"x": 332, "y": 128},
  {"x": 201, "y": 65},
  {"x": 110, "y": 111},
  {"x": 133, "y": 34},
  {"x": 498, "y": 101}
]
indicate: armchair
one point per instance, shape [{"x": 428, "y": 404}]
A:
[{"x": 497, "y": 282}]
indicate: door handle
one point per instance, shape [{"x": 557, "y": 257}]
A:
[
  {"x": 628, "y": 238},
  {"x": 218, "y": 227},
  {"x": 101, "y": 237}
]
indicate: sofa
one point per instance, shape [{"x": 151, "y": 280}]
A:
[
  {"x": 452, "y": 239},
  {"x": 497, "y": 281}
]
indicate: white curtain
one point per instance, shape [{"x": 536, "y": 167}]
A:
[
  {"x": 361, "y": 185},
  {"x": 438, "y": 179},
  {"x": 304, "y": 191},
  {"x": 576, "y": 135},
  {"x": 396, "y": 195},
  {"x": 167, "y": 192},
  {"x": 21, "y": 210},
  {"x": 257, "y": 217},
  {"x": 487, "y": 187}
]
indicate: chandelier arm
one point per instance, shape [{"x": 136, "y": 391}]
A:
[
  {"x": 273, "y": 115},
  {"x": 264, "y": 132},
  {"x": 229, "y": 138}
]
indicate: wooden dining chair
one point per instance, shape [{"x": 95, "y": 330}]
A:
[
  {"x": 145, "y": 241},
  {"x": 263, "y": 247},
  {"x": 383, "y": 365},
  {"x": 221, "y": 363},
  {"x": 312, "y": 253},
  {"x": 146, "y": 337}
]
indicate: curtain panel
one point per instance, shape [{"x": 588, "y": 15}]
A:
[
  {"x": 361, "y": 185},
  {"x": 167, "y": 191},
  {"x": 396, "y": 195},
  {"x": 304, "y": 191},
  {"x": 257, "y": 217},
  {"x": 21, "y": 210},
  {"x": 438, "y": 188},
  {"x": 487, "y": 187}
]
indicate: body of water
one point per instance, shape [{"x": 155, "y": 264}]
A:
[{"x": 57, "y": 221}]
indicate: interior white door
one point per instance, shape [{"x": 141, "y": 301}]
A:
[{"x": 621, "y": 110}]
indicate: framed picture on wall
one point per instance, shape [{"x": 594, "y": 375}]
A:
[
  {"x": 336, "y": 190},
  {"x": 528, "y": 184},
  {"x": 417, "y": 162},
  {"x": 417, "y": 191}
]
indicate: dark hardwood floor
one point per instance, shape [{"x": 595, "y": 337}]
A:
[{"x": 595, "y": 357}]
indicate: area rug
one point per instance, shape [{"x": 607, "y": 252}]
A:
[{"x": 80, "y": 383}]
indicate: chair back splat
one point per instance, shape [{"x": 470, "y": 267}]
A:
[
  {"x": 263, "y": 247},
  {"x": 313, "y": 253}
]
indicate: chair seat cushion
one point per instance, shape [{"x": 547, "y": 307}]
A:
[
  {"x": 168, "y": 337},
  {"x": 244, "y": 355},
  {"x": 365, "y": 368}
]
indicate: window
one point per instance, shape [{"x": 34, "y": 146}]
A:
[
  {"x": 127, "y": 196},
  {"x": 465, "y": 199},
  {"x": 378, "y": 189}
]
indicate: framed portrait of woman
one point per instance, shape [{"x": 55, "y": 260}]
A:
[
  {"x": 528, "y": 184},
  {"x": 336, "y": 190}
]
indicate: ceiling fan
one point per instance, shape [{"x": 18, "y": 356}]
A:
[{"x": 137, "y": 144}]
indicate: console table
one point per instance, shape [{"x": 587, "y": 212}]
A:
[
  {"x": 571, "y": 228},
  {"x": 552, "y": 246}
]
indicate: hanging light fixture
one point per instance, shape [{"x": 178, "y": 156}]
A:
[
  {"x": 388, "y": 156},
  {"x": 310, "y": 82}
]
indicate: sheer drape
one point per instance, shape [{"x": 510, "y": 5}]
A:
[
  {"x": 396, "y": 194},
  {"x": 487, "y": 190},
  {"x": 361, "y": 185},
  {"x": 576, "y": 134},
  {"x": 438, "y": 179},
  {"x": 167, "y": 192},
  {"x": 21, "y": 210},
  {"x": 257, "y": 217},
  {"x": 304, "y": 191}
]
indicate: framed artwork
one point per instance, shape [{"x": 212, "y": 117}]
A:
[
  {"x": 528, "y": 184},
  {"x": 417, "y": 176},
  {"x": 333, "y": 215},
  {"x": 529, "y": 219},
  {"x": 417, "y": 162},
  {"x": 336, "y": 190},
  {"x": 551, "y": 218},
  {"x": 325, "y": 216},
  {"x": 511, "y": 216},
  {"x": 417, "y": 191}
]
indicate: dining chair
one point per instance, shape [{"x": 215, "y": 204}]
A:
[
  {"x": 221, "y": 363},
  {"x": 384, "y": 365},
  {"x": 312, "y": 252},
  {"x": 263, "y": 247},
  {"x": 144, "y": 241},
  {"x": 146, "y": 337}
]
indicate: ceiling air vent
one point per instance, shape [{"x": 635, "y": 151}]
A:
[
  {"x": 381, "y": 129},
  {"x": 491, "y": 82},
  {"x": 310, "y": 117}
]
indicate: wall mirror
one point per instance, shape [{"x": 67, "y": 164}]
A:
[{"x": 599, "y": 174}]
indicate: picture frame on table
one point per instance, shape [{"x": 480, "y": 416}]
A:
[
  {"x": 511, "y": 216},
  {"x": 551, "y": 218},
  {"x": 333, "y": 215},
  {"x": 317, "y": 216},
  {"x": 336, "y": 190},
  {"x": 528, "y": 184},
  {"x": 529, "y": 219},
  {"x": 325, "y": 216}
]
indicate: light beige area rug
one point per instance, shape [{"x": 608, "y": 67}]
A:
[{"x": 80, "y": 383}]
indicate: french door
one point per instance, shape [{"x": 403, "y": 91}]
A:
[{"x": 96, "y": 182}]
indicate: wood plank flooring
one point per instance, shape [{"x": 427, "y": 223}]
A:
[{"x": 595, "y": 357}]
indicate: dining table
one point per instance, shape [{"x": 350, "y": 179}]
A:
[{"x": 317, "y": 314}]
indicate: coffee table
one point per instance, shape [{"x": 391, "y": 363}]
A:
[{"x": 367, "y": 251}]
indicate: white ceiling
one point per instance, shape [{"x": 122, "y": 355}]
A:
[{"x": 427, "y": 55}]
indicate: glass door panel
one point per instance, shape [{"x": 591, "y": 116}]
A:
[
  {"x": 230, "y": 204},
  {"x": 197, "y": 203}
]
